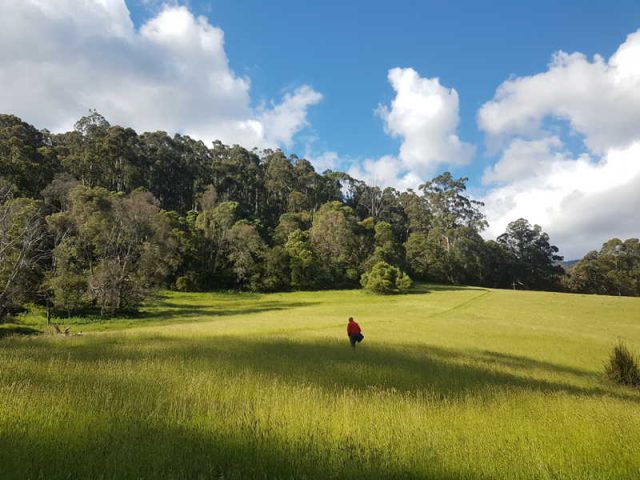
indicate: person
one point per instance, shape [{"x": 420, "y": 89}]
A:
[{"x": 354, "y": 332}]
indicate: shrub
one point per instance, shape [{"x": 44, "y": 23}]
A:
[
  {"x": 385, "y": 279},
  {"x": 622, "y": 366}
]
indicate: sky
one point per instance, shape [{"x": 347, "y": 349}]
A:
[{"x": 537, "y": 103}]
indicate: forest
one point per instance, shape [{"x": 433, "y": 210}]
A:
[{"x": 100, "y": 217}]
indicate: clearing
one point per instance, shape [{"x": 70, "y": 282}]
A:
[{"x": 450, "y": 382}]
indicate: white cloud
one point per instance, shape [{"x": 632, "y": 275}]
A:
[
  {"x": 325, "y": 161},
  {"x": 282, "y": 121},
  {"x": 580, "y": 200},
  {"x": 599, "y": 99},
  {"x": 58, "y": 59},
  {"x": 424, "y": 114},
  {"x": 385, "y": 171},
  {"x": 523, "y": 158}
]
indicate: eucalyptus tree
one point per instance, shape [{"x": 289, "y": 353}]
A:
[
  {"x": 81, "y": 151},
  {"x": 450, "y": 208},
  {"x": 534, "y": 259},
  {"x": 215, "y": 225},
  {"x": 111, "y": 250},
  {"x": 27, "y": 159},
  {"x": 238, "y": 176},
  {"x": 334, "y": 236},
  {"x": 170, "y": 175},
  {"x": 614, "y": 270},
  {"x": 24, "y": 251}
]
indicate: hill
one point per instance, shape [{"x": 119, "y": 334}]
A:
[{"x": 450, "y": 382}]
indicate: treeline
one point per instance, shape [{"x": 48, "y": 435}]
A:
[
  {"x": 99, "y": 217},
  {"x": 614, "y": 270}
]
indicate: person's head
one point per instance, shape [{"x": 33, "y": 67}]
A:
[{"x": 351, "y": 319}]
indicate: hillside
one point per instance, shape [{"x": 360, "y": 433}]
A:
[{"x": 450, "y": 382}]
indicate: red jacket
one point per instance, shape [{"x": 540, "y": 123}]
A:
[{"x": 353, "y": 327}]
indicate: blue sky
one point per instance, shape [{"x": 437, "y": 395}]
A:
[
  {"x": 537, "y": 102},
  {"x": 344, "y": 49}
]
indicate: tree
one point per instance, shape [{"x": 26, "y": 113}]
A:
[
  {"x": 170, "y": 177},
  {"x": 427, "y": 259},
  {"x": 276, "y": 274},
  {"x": 450, "y": 209},
  {"x": 385, "y": 279},
  {"x": 289, "y": 223},
  {"x": 246, "y": 253},
  {"x": 111, "y": 251},
  {"x": 279, "y": 181},
  {"x": 238, "y": 176},
  {"x": 614, "y": 270},
  {"x": 387, "y": 249},
  {"x": 23, "y": 251},
  {"x": 304, "y": 264},
  {"x": 535, "y": 260},
  {"x": 215, "y": 225},
  {"x": 334, "y": 236},
  {"x": 81, "y": 151},
  {"x": 27, "y": 160},
  {"x": 496, "y": 266},
  {"x": 56, "y": 194}
]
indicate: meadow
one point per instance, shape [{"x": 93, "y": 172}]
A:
[{"x": 449, "y": 383}]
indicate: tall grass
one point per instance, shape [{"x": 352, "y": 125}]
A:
[
  {"x": 460, "y": 383},
  {"x": 622, "y": 367}
]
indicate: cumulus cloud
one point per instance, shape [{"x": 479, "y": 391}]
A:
[
  {"x": 281, "y": 122},
  {"x": 522, "y": 158},
  {"x": 325, "y": 161},
  {"x": 599, "y": 99},
  {"x": 424, "y": 115},
  {"x": 58, "y": 59},
  {"x": 385, "y": 171},
  {"x": 580, "y": 199}
]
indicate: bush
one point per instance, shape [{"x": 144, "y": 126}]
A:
[
  {"x": 622, "y": 367},
  {"x": 386, "y": 279}
]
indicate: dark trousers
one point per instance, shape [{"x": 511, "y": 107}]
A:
[{"x": 355, "y": 338}]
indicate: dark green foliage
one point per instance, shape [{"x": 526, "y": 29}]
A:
[
  {"x": 533, "y": 260},
  {"x": 24, "y": 252},
  {"x": 111, "y": 251},
  {"x": 129, "y": 212},
  {"x": 334, "y": 238},
  {"x": 385, "y": 279},
  {"x": 27, "y": 160},
  {"x": 614, "y": 270},
  {"x": 304, "y": 263},
  {"x": 622, "y": 366}
]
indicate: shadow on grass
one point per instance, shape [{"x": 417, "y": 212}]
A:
[
  {"x": 426, "y": 288},
  {"x": 10, "y": 329},
  {"x": 420, "y": 288},
  {"x": 172, "y": 312},
  {"x": 334, "y": 366},
  {"x": 166, "y": 310},
  {"x": 134, "y": 447}
]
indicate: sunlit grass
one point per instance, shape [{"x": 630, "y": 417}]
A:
[{"x": 449, "y": 383}]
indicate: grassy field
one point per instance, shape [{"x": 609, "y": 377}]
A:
[{"x": 449, "y": 383}]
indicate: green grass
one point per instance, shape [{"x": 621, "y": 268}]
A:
[
  {"x": 449, "y": 383},
  {"x": 10, "y": 329}
]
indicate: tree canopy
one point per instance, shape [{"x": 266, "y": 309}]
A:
[{"x": 100, "y": 216}]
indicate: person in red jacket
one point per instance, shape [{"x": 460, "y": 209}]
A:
[{"x": 354, "y": 332}]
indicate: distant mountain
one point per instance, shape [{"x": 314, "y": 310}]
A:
[{"x": 568, "y": 264}]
